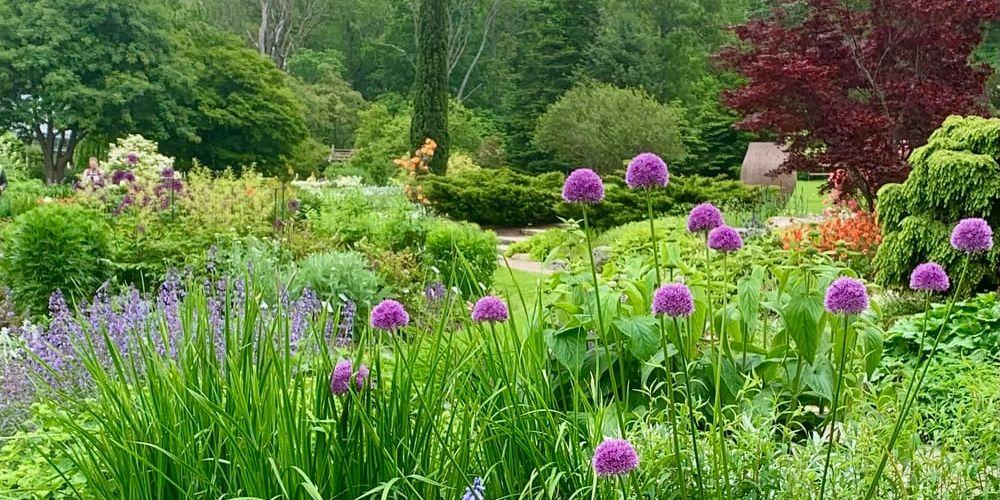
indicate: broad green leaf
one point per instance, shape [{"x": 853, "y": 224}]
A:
[
  {"x": 569, "y": 346},
  {"x": 642, "y": 334},
  {"x": 802, "y": 317}
]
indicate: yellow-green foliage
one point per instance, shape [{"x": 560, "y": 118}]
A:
[{"x": 955, "y": 175}]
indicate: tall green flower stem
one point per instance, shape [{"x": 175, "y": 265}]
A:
[
  {"x": 600, "y": 326},
  {"x": 667, "y": 363},
  {"x": 684, "y": 348},
  {"x": 838, "y": 385},
  {"x": 916, "y": 382},
  {"x": 717, "y": 417}
]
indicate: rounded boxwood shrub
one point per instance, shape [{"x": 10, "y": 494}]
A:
[
  {"x": 56, "y": 247},
  {"x": 465, "y": 255},
  {"x": 954, "y": 176}
]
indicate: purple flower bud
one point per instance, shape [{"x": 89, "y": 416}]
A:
[
  {"x": 583, "y": 186},
  {"x": 615, "y": 457},
  {"x": 704, "y": 217},
  {"x": 846, "y": 296},
  {"x": 645, "y": 171},
  {"x": 340, "y": 379},
  {"x": 673, "y": 299},
  {"x": 972, "y": 235},
  {"x": 389, "y": 315},
  {"x": 929, "y": 277},
  {"x": 724, "y": 239},
  {"x": 490, "y": 309}
]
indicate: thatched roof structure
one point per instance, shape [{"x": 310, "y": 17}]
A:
[{"x": 761, "y": 160}]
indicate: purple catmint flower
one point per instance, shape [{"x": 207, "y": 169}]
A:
[
  {"x": 340, "y": 378},
  {"x": 647, "y": 170},
  {"x": 846, "y": 296},
  {"x": 583, "y": 186},
  {"x": 490, "y": 309},
  {"x": 929, "y": 277},
  {"x": 673, "y": 299},
  {"x": 434, "y": 292},
  {"x": 475, "y": 491},
  {"x": 704, "y": 217},
  {"x": 345, "y": 328},
  {"x": 615, "y": 457},
  {"x": 302, "y": 310},
  {"x": 972, "y": 235},
  {"x": 389, "y": 315},
  {"x": 724, "y": 239}
]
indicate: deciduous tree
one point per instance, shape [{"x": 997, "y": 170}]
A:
[{"x": 853, "y": 87}]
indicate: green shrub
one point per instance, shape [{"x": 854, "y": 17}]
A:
[
  {"x": 28, "y": 460},
  {"x": 350, "y": 216},
  {"x": 268, "y": 260},
  {"x": 622, "y": 205},
  {"x": 495, "y": 197},
  {"x": 540, "y": 246},
  {"x": 56, "y": 247},
  {"x": 974, "y": 326},
  {"x": 597, "y": 125},
  {"x": 955, "y": 175},
  {"x": 335, "y": 274},
  {"x": 465, "y": 255},
  {"x": 144, "y": 251}
]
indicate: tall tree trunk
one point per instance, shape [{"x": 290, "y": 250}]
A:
[{"x": 430, "y": 103}]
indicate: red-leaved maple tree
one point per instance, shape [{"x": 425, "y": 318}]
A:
[{"x": 853, "y": 87}]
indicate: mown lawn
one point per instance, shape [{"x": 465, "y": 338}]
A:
[{"x": 806, "y": 200}]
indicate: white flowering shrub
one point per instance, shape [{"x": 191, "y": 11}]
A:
[
  {"x": 139, "y": 155},
  {"x": 12, "y": 157}
]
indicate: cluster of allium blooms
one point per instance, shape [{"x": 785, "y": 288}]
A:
[
  {"x": 490, "y": 309},
  {"x": 647, "y": 170},
  {"x": 169, "y": 187},
  {"x": 120, "y": 177},
  {"x": 583, "y": 185},
  {"x": 972, "y": 236},
  {"x": 724, "y": 239},
  {"x": 475, "y": 491},
  {"x": 615, "y": 457},
  {"x": 846, "y": 296},
  {"x": 673, "y": 299},
  {"x": 342, "y": 376},
  {"x": 929, "y": 277},
  {"x": 703, "y": 218},
  {"x": 389, "y": 315}
]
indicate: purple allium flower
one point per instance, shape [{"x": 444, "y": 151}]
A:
[
  {"x": 929, "y": 277},
  {"x": 724, "y": 239},
  {"x": 435, "y": 291},
  {"x": 972, "y": 235},
  {"x": 120, "y": 176},
  {"x": 389, "y": 315},
  {"x": 647, "y": 170},
  {"x": 846, "y": 296},
  {"x": 615, "y": 457},
  {"x": 294, "y": 205},
  {"x": 340, "y": 379},
  {"x": 361, "y": 378},
  {"x": 475, "y": 491},
  {"x": 704, "y": 217},
  {"x": 673, "y": 299},
  {"x": 132, "y": 159},
  {"x": 583, "y": 186},
  {"x": 490, "y": 309}
]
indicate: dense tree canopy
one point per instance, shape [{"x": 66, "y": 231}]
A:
[{"x": 854, "y": 88}]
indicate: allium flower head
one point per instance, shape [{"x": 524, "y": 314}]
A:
[
  {"x": 294, "y": 205},
  {"x": 583, "y": 186},
  {"x": 724, "y": 239},
  {"x": 673, "y": 299},
  {"x": 846, "y": 296},
  {"x": 972, "y": 235},
  {"x": 490, "y": 309},
  {"x": 475, "y": 491},
  {"x": 361, "y": 378},
  {"x": 389, "y": 315},
  {"x": 340, "y": 379},
  {"x": 615, "y": 457},
  {"x": 647, "y": 170},
  {"x": 929, "y": 277},
  {"x": 132, "y": 159},
  {"x": 704, "y": 217}
]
